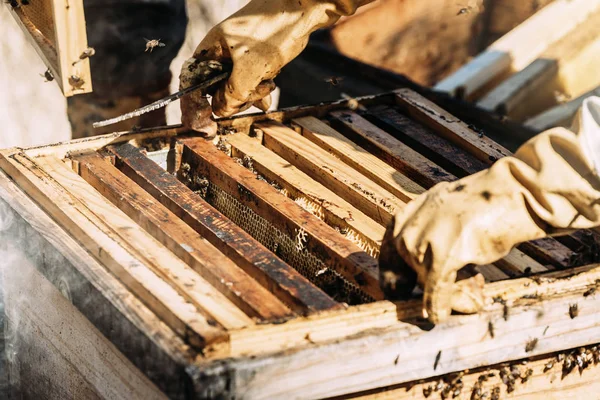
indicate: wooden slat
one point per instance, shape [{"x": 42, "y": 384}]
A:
[
  {"x": 323, "y": 241},
  {"x": 275, "y": 275},
  {"x": 520, "y": 263},
  {"x": 103, "y": 243},
  {"x": 389, "y": 149},
  {"x": 183, "y": 241},
  {"x": 352, "y": 186},
  {"x": 358, "y": 158},
  {"x": 460, "y": 163},
  {"x": 183, "y": 279},
  {"x": 449, "y": 127},
  {"x": 336, "y": 211},
  {"x": 525, "y": 93},
  {"x": 561, "y": 115}
]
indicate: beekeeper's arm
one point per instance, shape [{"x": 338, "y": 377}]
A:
[
  {"x": 550, "y": 187},
  {"x": 258, "y": 40}
]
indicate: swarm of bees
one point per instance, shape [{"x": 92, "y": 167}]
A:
[{"x": 151, "y": 44}]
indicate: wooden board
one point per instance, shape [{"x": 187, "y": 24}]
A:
[
  {"x": 203, "y": 259},
  {"x": 239, "y": 247},
  {"x": 352, "y": 186},
  {"x": 299, "y": 186},
  {"x": 337, "y": 253},
  {"x": 56, "y": 29},
  {"x": 517, "y": 49},
  {"x": 96, "y": 236}
]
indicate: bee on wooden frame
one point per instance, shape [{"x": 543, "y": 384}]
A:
[
  {"x": 472, "y": 6},
  {"x": 334, "y": 80},
  {"x": 47, "y": 75}
]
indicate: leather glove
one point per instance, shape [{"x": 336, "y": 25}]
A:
[
  {"x": 549, "y": 187},
  {"x": 258, "y": 41}
]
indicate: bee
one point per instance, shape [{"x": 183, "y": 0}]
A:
[
  {"x": 467, "y": 9},
  {"x": 13, "y": 3},
  {"x": 491, "y": 329},
  {"x": 87, "y": 53},
  {"x": 496, "y": 393},
  {"x": 525, "y": 377},
  {"x": 573, "y": 310},
  {"x": 549, "y": 365},
  {"x": 530, "y": 346},
  {"x": 25, "y": 2},
  {"x": 427, "y": 391},
  {"x": 334, "y": 80},
  {"x": 152, "y": 43},
  {"x": 48, "y": 75},
  {"x": 76, "y": 82},
  {"x": 590, "y": 291}
]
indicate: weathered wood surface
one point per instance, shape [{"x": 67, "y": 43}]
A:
[
  {"x": 403, "y": 352},
  {"x": 336, "y": 252},
  {"x": 517, "y": 49},
  {"x": 389, "y": 149},
  {"x": 236, "y": 244},
  {"x": 334, "y": 210},
  {"x": 346, "y": 182},
  {"x": 204, "y": 259},
  {"x": 560, "y": 115},
  {"x": 103, "y": 243},
  {"x": 358, "y": 158},
  {"x": 547, "y": 381},
  {"x": 104, "y": 301}
]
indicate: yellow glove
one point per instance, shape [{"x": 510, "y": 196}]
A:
[
  {"x": 258, "y": 40},
  {"x": 549, "y": 187}
]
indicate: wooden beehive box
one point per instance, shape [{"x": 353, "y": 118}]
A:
[{"x": 156, "y": 264}]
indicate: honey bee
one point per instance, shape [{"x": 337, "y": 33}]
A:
[
  {"x": 531, "y": 345},
  {"x": 76, "y": 82},
  {"x": 48, "y": 75},
  {"x": 87, "y": 53},
  {"x": 467, "y": 9},
  {"x": 573, "y": 310},
  {"x": 334, "y": 80},
  {"x": 152, "y": 43}
]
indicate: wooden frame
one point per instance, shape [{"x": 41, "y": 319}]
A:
[
  {"x": 131, "y": 220},
  {"x": 56, "y": 29}
]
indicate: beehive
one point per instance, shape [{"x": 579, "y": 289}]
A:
[
  {"x": 56, "y": 29},
  {"x": 246, "y": 266}
]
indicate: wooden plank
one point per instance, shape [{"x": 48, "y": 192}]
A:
[
  {"x": 449, "y": 127},
  {"x": 160, "y": 297},
  {"x": 334, "y": 250},
  {"x": 546, "y": 381},
  {"x": 403, "y": 352},
  {"x": 71, "y": 42},
  {"x": 561, "y": 115},
  {"x": 520, "y": 263},
  {"x": 256, "y": 260},
  {"x": 389, "y": 149},
  {"x": 336, "y": 211},
  {"x": 358, "y": 158},
  {"x": 517, "y": 49},
  {"x": 525, "y": 93},
  {"x": 203, "y": 258},
  {"x": 181, "y": 277},
  {"x": 352, "y": 186},
  {"x": 104, "y": 300},
  {"x": 68, "y": 361}
]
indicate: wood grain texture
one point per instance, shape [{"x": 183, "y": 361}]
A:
[
  {"x": 358, "y": 158},
  {"x": 207, "y": 264},
  {"x": 403, "y": 352},
  {"x": 114, "y": 310},
  {"x": 333, "y": 249},
  {"x": 518, "y": 48},
  {"x": 104, "y": 244},
  {"x": 336, "y": 211},
  {"x": 352, "y": 186},
  {"x": 274, "y": 275},
  {"x": 389, "y": 149}
]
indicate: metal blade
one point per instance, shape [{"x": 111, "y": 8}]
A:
[{"x": 162, "y": 102}]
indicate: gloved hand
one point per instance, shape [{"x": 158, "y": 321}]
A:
[
  {"x": 258, "y": 41},
  {"x": 549, "y": 187}
]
